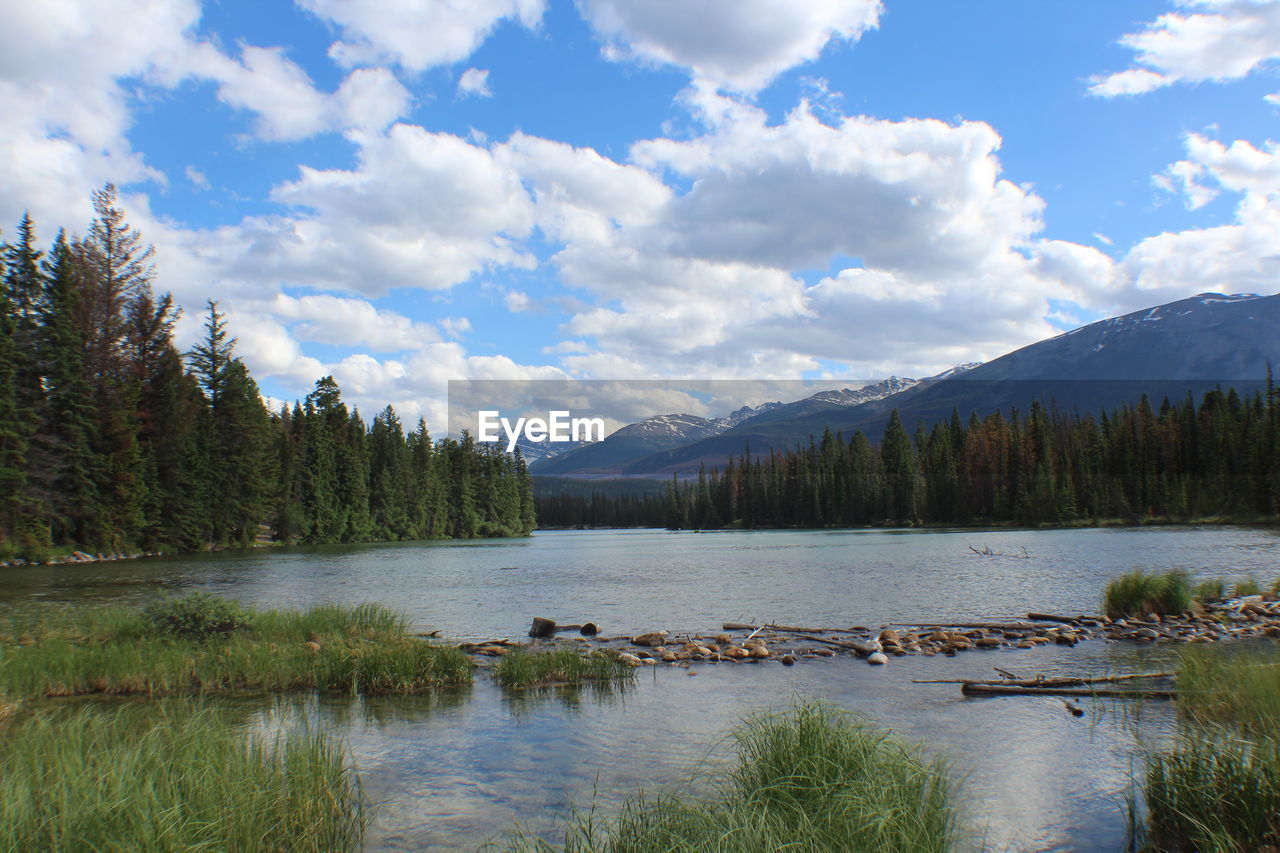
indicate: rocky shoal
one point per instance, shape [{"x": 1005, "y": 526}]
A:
[{"x": 1239, "y": 618}]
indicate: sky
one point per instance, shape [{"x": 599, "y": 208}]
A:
[{"x": 404, "y": 192}]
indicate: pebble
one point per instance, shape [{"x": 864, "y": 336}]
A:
[{"x": 878, "y": 659}]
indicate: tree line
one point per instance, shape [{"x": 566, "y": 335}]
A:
[
  {"x": 1185, "y": 460},
  {"x": 113, "y": 439}
]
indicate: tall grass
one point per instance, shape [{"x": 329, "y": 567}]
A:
[
  {"x": 364, "y": 649},
  {"x": 1218, "y": 788},
  {"x": 523, "y": 668},
  {"x": 1138, "y": 594},
  {"x": 1231, "y": 688},
  {"x": 813, "y": 779},
  {"x": 174, "y": 778},
  {"x": 1214, "y": 794}
]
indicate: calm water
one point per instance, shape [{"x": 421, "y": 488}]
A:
[{"x": 454, "y": 770}]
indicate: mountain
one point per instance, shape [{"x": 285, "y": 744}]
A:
[
  {"x": 661, "y": 433},
  {"x": 1185, "y": 347},
  {"x": 636, "y": 441}
]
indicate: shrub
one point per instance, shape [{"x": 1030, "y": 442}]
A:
[
  {"x": 1248, "y": 586},
  {"x": 198, "y": 616}
]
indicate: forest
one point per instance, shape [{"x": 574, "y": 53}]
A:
[
  {"x": 111, "y": 439},
  {"x": 1216, "y": 458}
]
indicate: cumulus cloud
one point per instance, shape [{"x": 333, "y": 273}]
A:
[
  {"x": 417, "y": 34},
  {"x": 738, "y": 44},
  {"x": 474, "y": 83},
  {"x": 1224, "y": 40},
  {"x": 198, "y": 179}
]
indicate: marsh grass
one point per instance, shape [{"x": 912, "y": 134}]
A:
[
  {"x": 1248, "y": 586},
  {"x": 1218, "y": 787},
  {"x": 1231, "y": 688},
  {"x": 1214, "y": 793},
  {"x": 171, "y": 777},
  {"x": 364, "y": 649},
  {"x": 1138, "y": 593},
  {"x": 813, "y": 779},
  {"x": 567, "y": 666}
]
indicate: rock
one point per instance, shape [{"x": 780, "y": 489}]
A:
[
  {"x": 628, "y": 658},
  {"x": 653, "y": 638},
  {"x": 878, "y": 659},
  {"x": 788, "y": 660},
  {"x": 988, "y": 643},
  {"x": 713, "y": 648},
  {"x": 312, "y": 645},
  {"x": 648, "y": 662},
  {"x": 888, "y": 635},
  {"x": 542, "y": 627},
  {"x": 760, "y": 652},
  {"x": 822, "y": 653},
  {"x": 670, "y": 657},
  {"x": 724, "y": 640},
  {"x": 590, "y": 629}
]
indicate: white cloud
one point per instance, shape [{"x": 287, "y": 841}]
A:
[
  {"x": 737, "y": 44},
  {"x": 352, "y": 322},
  {"x": 474, "y": 82},
  {"x": 417, "y": 34},
  {"x": 1226, "y": 40},
  {"x": 517, "y": 301},
  {"x": 198, "y": 179}
]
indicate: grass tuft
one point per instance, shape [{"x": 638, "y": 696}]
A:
[
  {"x": 364, "y": 649},
  {"x": 1218, "y": 788},
  {"x": 1138, "y": 593},
  {"x": 813, "y": 779},
  {"x": 171, "y": 778},
  {"x": 524, "y": 668}
]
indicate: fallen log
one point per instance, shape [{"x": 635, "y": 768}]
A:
[
  {"x": 863, "y": 649},
  {"x": 993, "y": 626},
  {"x": 1049, "y": 617},
  {"x": 1052, "y": 681},
  {"x": 790, "y": 629},
  {"x": 975, "y": 689}
]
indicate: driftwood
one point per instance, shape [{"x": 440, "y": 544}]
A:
[
  {"x": 1007, "y": 626},
  {"x": 976, "y": 689},
  {"x": 861, "y": 648},
  {"x": 1049, "y": 617},
  {"x": 791, "y": 629},
  {"x": 1041, "y": 681}
]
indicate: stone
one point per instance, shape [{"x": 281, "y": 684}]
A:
[
  {"x": 590, "y": 629},
  {"x": 653, "y": 638},
  {"x": 878, "y": 659},
  {"x": 628, "y": 658},
  {"x": 312, "y": 645},
  {"x": 669, "y": 656},
  {"x": 988, "y": 643},
  {"x": 788, "y": 660},
  {"x": 888, "y": 635},
  {"x": 724, "y": 640},
  {"x": 760, "y": 652},
  {"x": 542, "y": 628}
]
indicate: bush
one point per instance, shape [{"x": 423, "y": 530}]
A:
[
  {"x": 1213, "y": 590},
  {"x": 1138, "y": 593},
  {"x": 198, "y": 616}
]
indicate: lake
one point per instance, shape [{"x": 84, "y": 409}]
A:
[{"x": 457, "y": 768}]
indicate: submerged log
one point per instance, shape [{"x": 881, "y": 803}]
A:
[
  {"x": 542, "y": 627},
  {"x": 976, "y": 689}
]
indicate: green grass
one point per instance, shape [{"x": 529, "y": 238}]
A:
[
  {"x": 1138, "y": 594},
  {"x": 1218, "y": 788},
  {"x": 364, "y": 649},
  {"x": 813, "y": 780},
  {"x": 1210, "y": 590},
  {"x": 1248, "y": 586},
  {"x": 1231, "y": 688},
  {"x": 1214, "y": 794},
  {"x": 523, "y": 668},
  {"x": 171, "y": 777}
]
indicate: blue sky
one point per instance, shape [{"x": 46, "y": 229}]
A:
[{"x": 403, "y": 192}]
